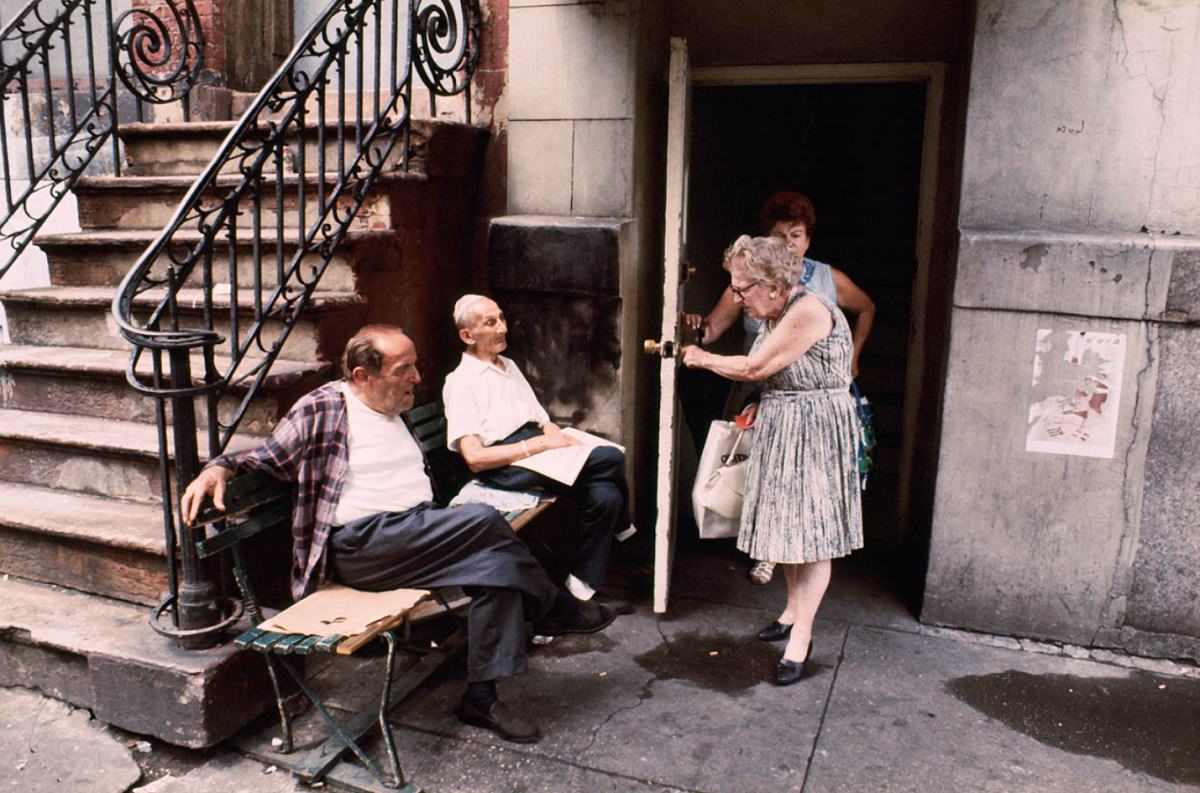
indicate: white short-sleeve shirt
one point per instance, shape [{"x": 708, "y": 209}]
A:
[
  {"x": 386, "y": 471},
  {"x": 485, "y": 400}
]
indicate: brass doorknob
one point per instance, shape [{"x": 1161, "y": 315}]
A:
[{"x": 666, "y": 349}]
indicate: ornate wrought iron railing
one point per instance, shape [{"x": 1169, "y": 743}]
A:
[
  {"x": 69, "y": 73},
  {"x": 288, "y": 181}
]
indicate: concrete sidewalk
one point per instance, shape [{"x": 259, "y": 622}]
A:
[{"x": 678, "y": 703}]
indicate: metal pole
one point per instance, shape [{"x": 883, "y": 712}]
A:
[{"x": 197, "y": 604}]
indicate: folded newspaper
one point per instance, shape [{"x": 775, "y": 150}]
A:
[
  {"x": 475, "y": 492},
  {"x": 565, "y": 463}
]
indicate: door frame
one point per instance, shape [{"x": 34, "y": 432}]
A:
[{"x": 933, "y": 75}]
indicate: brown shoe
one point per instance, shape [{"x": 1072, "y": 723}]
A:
[
  {"x": 500, "y": 720},
  {"x": 590, "y": 617}
]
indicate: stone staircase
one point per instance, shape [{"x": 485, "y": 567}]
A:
[{"x": 82, "y": 551}]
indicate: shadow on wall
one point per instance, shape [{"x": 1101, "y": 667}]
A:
[{"x": 570, "y": 349}]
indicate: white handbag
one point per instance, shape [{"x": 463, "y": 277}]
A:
[{"x": 721, "y": 480}]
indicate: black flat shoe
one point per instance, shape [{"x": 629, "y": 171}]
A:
[
  {"x": 618, "y": 605},
  {"x": 590, "y": 617},
  {"x": 500, "y": 720},
  {"x": 774, "y": 632},
  {"x": 788, "y": 672}
]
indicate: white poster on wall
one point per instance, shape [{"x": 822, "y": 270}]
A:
[{"x": 1076, "y": 394}]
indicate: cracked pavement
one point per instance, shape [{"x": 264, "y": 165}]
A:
[{"x": 679, "y": 702}]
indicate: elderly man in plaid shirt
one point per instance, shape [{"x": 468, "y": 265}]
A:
[{"x": 364, "y": 515}]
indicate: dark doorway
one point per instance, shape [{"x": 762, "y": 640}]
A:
[{"x": 855, "y": 150}]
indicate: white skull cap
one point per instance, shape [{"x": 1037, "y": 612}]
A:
[{"x": 462, "y": 307}]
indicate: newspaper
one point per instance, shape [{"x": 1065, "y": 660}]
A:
[{"x": 564, "y": 464}]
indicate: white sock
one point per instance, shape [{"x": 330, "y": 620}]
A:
[{"x": 579, "y": 589}]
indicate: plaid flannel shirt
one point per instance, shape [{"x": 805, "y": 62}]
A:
[{"x": 307, "y": 447}]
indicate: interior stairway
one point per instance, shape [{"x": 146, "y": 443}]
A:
[{"x": 82, "y": 551}]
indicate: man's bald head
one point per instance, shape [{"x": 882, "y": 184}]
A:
[{"x": 370, "y": 346}]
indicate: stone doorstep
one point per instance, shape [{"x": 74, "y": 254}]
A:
[
  {"x": 80, "y": 316},
  {"x": 437, "y": 148},
  {"x": 150, "y": 202},
  {"x": 189, "y": 299},
  {"x": 106, "y": 546},
  {"x": 93, "y": 362},
  {"x": 102, "y": 258},
  {"x": 100, "y": 654},
  {"x": 87, "y": 434},
  {"x": 92, "y": 519}
]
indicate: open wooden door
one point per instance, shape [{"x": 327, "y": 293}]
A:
[{"x": 674, "y": 275}]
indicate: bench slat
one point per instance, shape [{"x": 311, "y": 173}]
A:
[
  {"x": 248, "y": 637},
  {"x": 304, "y": 647},
  {"x": 243, "y": 493},
  {"x": 285, "y": 645},
  {"x": 264, "y": 643},
  {"x": 279, "y": 512},
  {"x": 328, "y": 643}
]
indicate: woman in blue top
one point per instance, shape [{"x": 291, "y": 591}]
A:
[{"x": 792, "y": 217}]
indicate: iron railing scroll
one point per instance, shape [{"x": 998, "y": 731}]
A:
[
  {"x": 213, "y": 300},
  {"x": 69, "y": 73}
]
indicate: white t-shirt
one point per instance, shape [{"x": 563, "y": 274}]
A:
[
  {"x": 485, "y": 400},
  {"x": 386, "y": 472}
]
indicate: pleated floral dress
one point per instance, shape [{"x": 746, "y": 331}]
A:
[{"x": 802, "y": 501}]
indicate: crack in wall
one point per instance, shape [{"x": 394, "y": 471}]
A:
[
  {"x": 1157, "y": 91},
  {"x": 1116, "y": 601}
]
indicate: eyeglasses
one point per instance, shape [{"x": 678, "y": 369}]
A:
[{"x": 740, "y": 294}]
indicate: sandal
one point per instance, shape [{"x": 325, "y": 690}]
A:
[{"x": 761, "y": 572}]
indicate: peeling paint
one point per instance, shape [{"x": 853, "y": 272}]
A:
[{"x": 1031, "y": 257}]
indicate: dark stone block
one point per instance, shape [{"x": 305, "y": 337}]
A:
[
  {"x": 58, "y": 674},
  {"x": 1183, "y": 290},
  {"x": 569, "y": 347},
  {"x": 179, "y": 704},
  {"x": 551, "y": 254},
  {"x": 1165, "y": 587}
]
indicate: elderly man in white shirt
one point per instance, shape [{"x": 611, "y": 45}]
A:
[{"x": 494, "y": 419}]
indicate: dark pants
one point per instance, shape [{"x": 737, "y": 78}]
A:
[
  {"x": 602, "y": 495},
  {"x": 471, "y": 546}
]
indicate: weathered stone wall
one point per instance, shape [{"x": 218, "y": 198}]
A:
[
  {"x": 583, "y": 108},
  {"x": 1078, "y": 214}
]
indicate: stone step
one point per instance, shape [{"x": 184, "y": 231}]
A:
[
  {"x": 99, "y": 654},
  {"x": 102, "y": 258},
  {"x": 150, "y": 202},
  {"x": 82, "y": 454},
  {"x": 93, "y": 544},
  {"x": 182, "y": 148},
  {"x": 61, "y": 379},
  {"x": 80, "y": 316}
]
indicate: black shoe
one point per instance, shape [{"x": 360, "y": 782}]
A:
[
  {"x": 500, "y": 720},
  {"x": 618, "y": 605},
  {"x": 590, "y": 617},
  {"x": 788, "y": 672},
  {"x": 775, "y": 631}
]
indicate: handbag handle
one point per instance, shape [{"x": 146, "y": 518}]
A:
[{"x": 727, "y": 459}]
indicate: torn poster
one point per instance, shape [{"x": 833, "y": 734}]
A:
[{"x": 1076, "y": 395}]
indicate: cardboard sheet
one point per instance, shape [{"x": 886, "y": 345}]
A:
[{"x": 340, "y": 609}]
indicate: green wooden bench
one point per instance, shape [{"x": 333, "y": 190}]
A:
[{"x": 255, "y": 502}]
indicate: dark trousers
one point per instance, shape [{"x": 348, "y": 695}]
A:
[
  {"x": 600, "y": 491},
  {"x": 471, "y": 546}
]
